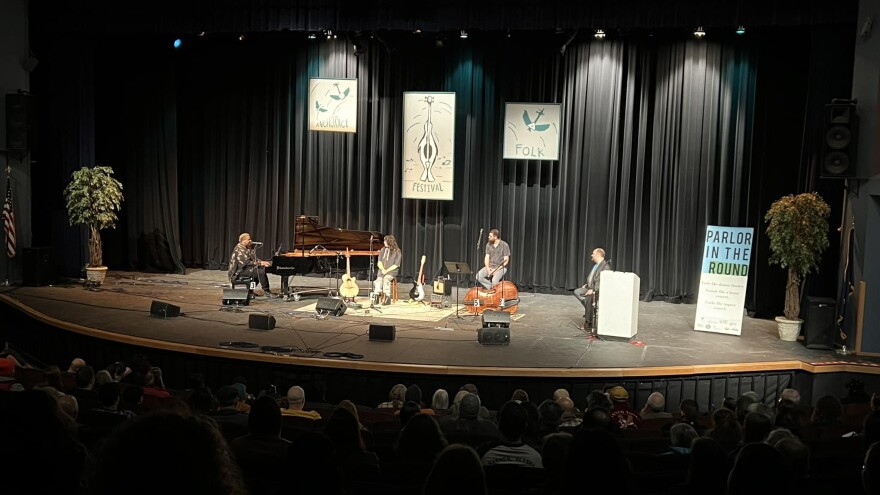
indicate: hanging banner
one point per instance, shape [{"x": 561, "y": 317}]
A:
[
  {"x": 531, "y": 131},
  {"x": 333, "y": 105},
  {"x": 428, "y": 145},
  {"x": 726, "y": 259}
]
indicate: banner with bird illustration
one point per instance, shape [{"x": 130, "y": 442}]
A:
[
  {"x": 428, "y": 145},
  {"x": 333, "y": 105},
  {"x": 531, "y": 131}
]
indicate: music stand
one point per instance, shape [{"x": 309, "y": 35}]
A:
[{"x": 459, "y": 268}]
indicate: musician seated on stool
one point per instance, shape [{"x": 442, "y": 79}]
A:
[
  {"x": 495, "y": 263},
  {"x": 244, "y": 263},
  {"x": 389, "y": 263},
  {"x": 588, "y": 294}
]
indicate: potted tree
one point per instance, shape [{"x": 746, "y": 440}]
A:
[
  {"x": 93, "y": 197},
  {"x": 797, "y": 226}
]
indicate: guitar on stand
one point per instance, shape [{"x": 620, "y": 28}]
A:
[
  {"x": 417, "y": 293},
  {"x": 349, "y": 288}
]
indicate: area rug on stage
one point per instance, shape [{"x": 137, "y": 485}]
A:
[{"x": 404, "y": 311}]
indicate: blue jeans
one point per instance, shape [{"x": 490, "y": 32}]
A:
[{"x": 482, "y": 277}]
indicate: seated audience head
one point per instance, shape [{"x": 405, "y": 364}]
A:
[
  {"x": 599, "y": 399},
  {"x": 85, "y": 377},
  {"x": 408, "y": 410},
  {"x": 656, "y": 403},
  {"x": 756, "y": 427},
  {"x": 184, "y": 448},
  {"x": 352, "y": 408},
  {"x": 76, "y": 364},
  {"x": 457, "y": 470},
  {"x": 828, "y": 411},
  {"x": 470, "y": 388},
  {"x": 792, "y": 395},
  {"x": 296, "y": 397},
  {"x": 567, "y": 406},
  {"x": 420, "y": 440},
  {"x": 729, "y": 403},
  {"x": 787, "y": 415},
  {"x": 227, "y": 397},
  {"x": 201, "y": 400},
  {"x": 195, "y": 381},
  {"x": 778, "y": 434},
  {"x": 796, "y": 454},
  {"x": 132, "y": 395},
  {"x": 109, "y": 395},
  {"x": 69, "y": 405},
  {"x": 397, "y": 393},
  {"x": 512, "y": 421},
  {"x": 554, "y": 453},
  {"x": 264, "y": 418},
  {"x": 597, "y": 419},
  {"x": 549, "y": 415},
  {"x": 440, "y": 400},
  {"x": 682, "y": 435},
  {"x": 344, "y": 431},
  {"x": 611, "y": 463},
  {"x": 871, "y": 470},
  {"x": 725, "y": 428},
  {"x": 413, "y": 393},
  {"x": 117, "y": 370},
  {"x": 618, "y": 394},
  {"x": 690, "y": 410},
  {"x": 708, "y": 468},
  {"x": 520, "y": 395},
  {"x": 742, "y": 406},
  {"x": 759, "y": 461},
  {"x": 469, "y": 407},
  {"x": 102, "y": 377},
  {"x": 560, "y": 393},
  {"x": 458, "y": 396}
]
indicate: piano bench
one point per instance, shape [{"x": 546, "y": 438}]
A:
[
  {"x": 247, "y": 282},
  {"x": 394, "y": 290}
]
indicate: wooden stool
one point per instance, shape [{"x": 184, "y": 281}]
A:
[{"x": 394, "y": 290}]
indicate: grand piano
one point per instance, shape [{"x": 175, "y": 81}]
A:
[{"x": 318, "y": 249}]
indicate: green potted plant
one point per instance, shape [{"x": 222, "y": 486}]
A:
[
  {"x": 93, "y": 197},
  {"x": 797, "y": 226}
]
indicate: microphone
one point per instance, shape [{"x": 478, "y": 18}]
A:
[
  {"x": 480, "y": 239},
  {"x": 256, "y": 243}
]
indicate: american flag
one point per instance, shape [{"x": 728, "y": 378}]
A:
[{"x": 9, "y": 220}]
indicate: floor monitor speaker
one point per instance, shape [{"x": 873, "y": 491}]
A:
[
  {"x": 236, "y": 297},
  {"x": 384, "y": 333},
  {"x": 261, "y": 322},
  {"x": 819, "y": 323},
  {"x": 496, "y": 319},
  {"x": 494, "y": 336},
  {"x": 330, "y": 306},
  {"x": 164, "y": 310}
]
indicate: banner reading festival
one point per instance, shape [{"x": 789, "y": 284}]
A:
[
  {"x": 333, "y": 105},
  {"x": 726, "y": 257},
  {"x": 428, "y": 145}
]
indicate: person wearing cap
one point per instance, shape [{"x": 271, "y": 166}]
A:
[
  {"x": 621, "y": 413},
  {"x": 233, "y": 423}
]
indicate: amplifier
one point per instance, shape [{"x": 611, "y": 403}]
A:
[{"x": 442, "y": 286}]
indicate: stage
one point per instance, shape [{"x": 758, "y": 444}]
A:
[{"x": 546, "y": 340}]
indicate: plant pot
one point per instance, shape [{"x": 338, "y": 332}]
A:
[
  {"x": 95, "y": 274},
  {"x": 788, "y": 329}
]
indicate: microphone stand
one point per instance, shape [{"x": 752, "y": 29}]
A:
[{"x": 372, "y": 292}]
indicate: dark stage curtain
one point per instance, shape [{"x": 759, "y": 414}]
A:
[{"x": 655, "y": 147}]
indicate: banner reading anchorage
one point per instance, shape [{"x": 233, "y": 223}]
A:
[{"x": 726, "y": 258}]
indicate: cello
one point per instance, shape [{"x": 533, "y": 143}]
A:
[{"x": 504, "y": 296}]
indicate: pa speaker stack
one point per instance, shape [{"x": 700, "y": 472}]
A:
[
  {"x": 496, "y": 328},
  {"x": 330, "y": 306},
  {"x": 819, "y": 323},
  {"x": 840, "y": 141},
  {"x": 164, "y": 310}
]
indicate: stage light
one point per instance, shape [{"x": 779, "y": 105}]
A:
[
  {"x": 312, "y": 36},
  {"x": 741, "y": 29},
  {"x": 699, "y": 33},
  {"x": 600, "y": 34},
  {"x": 240, "y": 37},
  {"x": 463, "y": 35},
  {"x": 417, "y": 30},
  {"x": 201, "y": 34},
  {"x": 177, "y": 43}
]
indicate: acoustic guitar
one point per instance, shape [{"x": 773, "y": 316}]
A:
[
  {"x": 417, "y": 293},
  {"x": 349, "y": 287}
]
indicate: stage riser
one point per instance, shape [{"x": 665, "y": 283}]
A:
[{"x": 50, "y": 345}]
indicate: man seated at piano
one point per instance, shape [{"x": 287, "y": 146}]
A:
[
  {"x": 245, "y": 263},
  {"x": 389, "y": 263}
]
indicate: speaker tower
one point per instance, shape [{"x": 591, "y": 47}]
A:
[{"x": 840, "y": 143}]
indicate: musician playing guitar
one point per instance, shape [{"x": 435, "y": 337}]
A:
[
  {"x": 496, "y": 261},
  {"x": 389, "y": 263}
]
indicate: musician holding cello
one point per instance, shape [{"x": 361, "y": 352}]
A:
[{"x": 495, "y": 262}]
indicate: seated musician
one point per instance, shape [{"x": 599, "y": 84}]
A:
[
  {"x": 244, "y": 263},
  {"x": 588, "y": 294},
  {"x": 495, "y": 262},
  {"x": 389, "y": 263}
]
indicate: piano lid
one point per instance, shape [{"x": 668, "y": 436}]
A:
[{"x": 309, "y": 233}]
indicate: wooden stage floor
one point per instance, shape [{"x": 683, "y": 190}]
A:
[{"x": 545, "y": 338}]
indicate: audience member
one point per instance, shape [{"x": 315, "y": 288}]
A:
[
  {"x": 569, "y": 422},
  {"x": 549, "y": 417},
  {"x": 440, "y": 400},
  {"x": 354, "y": 460},
  {"x": 708, "y": 470},
  {"x": 312, "y": 463},
  {"x": 599, "y": 399},
  {"x": 621, "y": 413},
  {"x": 759, "y": 461},
  {"x": 296, "y": 399},
  {"x": 871, "y": 470},
  {"x": 554, "y": 454},
  {"x": 512, "y": 420},
  {"x": 655, "y": 407},
  {"x": 184, "y": 450},
  {"x": 756, "y": 428},
  {"x": 407, "y": 411},
  {"x": 599, "y": 452},
  {"x": 520, "y": 395},
  {"x": 396, "y": 397},
  {"x": 468, "y": 420},
  {"x": 421, "y": 440},
  {"x": 457, "y": 470},
  {"x": 796, "y": 455},
  {"x": 681, "y": 436},
  {"x": 76, "y": 364},
  {"x": 262, "y": 453},
  {"x": 102, "y": 377},
  {"x": 725, "y": 429},
  {"x": 560, "y": 393}
]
